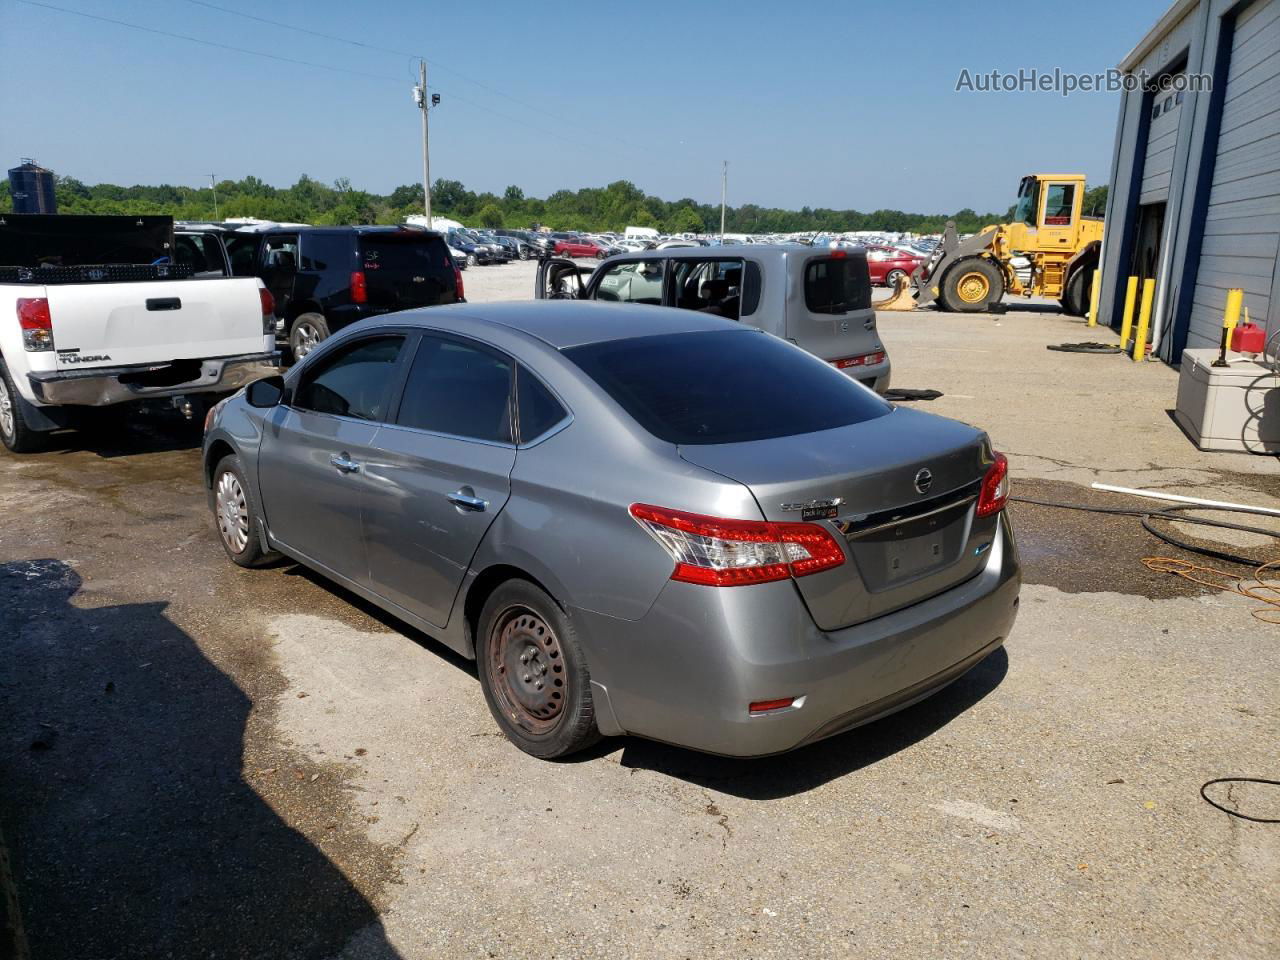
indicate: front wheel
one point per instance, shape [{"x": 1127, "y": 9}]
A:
[
  {"x": 971, "y": 285},
  {"x": 472, "y": 260},
  {"x": 524, "y": 253},
  {"x": 308, "y": 331},
  {"x": 533, "y": 672},
  {"x": 236, "y": 517}
]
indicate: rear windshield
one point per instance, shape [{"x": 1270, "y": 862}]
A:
[
  {"x": 404, "y": 252},
  {"x": 724, "y": 386},
  {"x": 837, "y": 285}
]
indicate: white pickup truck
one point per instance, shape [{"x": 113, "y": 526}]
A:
[{"x": 87, "y": 320}]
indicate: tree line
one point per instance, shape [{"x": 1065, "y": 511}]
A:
[{"x": 618, "y": 205}]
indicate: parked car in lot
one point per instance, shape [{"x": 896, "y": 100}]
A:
[
  {"x": 636, "y": 520},
  {"x": 504, "y": 249},
  {"x": 325, "y": 278},
  {"x": 580, "y": 247},
  {"x": 526, "y": 244},
  {"x": 474, "y": 251},
  {"x": 97, "y": 315},
  {"x": 817, "y": 298},
  {"x": 887, "y": 264}
]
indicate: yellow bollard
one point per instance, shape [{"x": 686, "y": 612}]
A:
[
  {"x": 1126, "y": 325},
  {"x": 1093, "y": 302},
  {"x": 1144, "y": 320}
]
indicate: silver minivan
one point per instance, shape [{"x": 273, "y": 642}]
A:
[{"x": 815, "y": 297}]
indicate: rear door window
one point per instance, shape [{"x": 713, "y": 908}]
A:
[
  {"x": 326, "y": 251},
  {"x": 712, "y": 286},
  {"x": 837, "y": 285},
  {"x": 724, "y": 386},
  {"x": 634, "y": 282},
  {"x": 459, "y": 389},
  {"x": 355, "y": 381}
]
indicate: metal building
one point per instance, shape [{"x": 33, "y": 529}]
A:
[
  {"x": 1195, "y": 178},
  {"x": 31, "y": 187}
]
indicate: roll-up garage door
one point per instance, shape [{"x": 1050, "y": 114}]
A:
[
  {"x": 1242, "y": 224},
  {"x": 1162, "y": 137}
]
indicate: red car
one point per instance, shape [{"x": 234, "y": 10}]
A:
[
  {"x": 886, "y": 263},
  {"x": 579, "y": 248}
]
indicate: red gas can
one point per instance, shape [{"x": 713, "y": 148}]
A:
[{"x": 1248, "y": 338}]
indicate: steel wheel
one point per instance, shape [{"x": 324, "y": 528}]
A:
[
  {"x": 306, "y": 337},
  {"x": 8, "y": 425},
  {"x": 528, "y": 670},
  {"x": 233, "y": 512},
  {"x": 973, "y": 287}
]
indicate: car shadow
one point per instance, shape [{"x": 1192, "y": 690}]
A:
[
  {"x": 132, "y": 830},
  {"x": 788, "y": 774},
  {"x": 122, "y": 432}
]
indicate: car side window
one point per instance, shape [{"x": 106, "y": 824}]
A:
[
  {"x": 635, "y": 282},
  {"x": 537, "y": 411},
  {"x": 353, "y": 381},
  {"x": 280, "y": 253},
  {"x": 459, "y": 389},
  {"x": 243, "y": 251},
  {"x": 711, "y": 286}
]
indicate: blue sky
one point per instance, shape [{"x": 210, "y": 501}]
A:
[{"x": 823, "y": 105}]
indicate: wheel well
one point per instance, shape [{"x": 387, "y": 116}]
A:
[
  {"x": 217, "y": 450},
  {"x": 297, "y": 309},
  {"x": 482, "y": 589}
]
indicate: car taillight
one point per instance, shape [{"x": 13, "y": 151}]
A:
[
  {"x": 359, "y": 291},
  {"x": 716, "y": 552},
  {"x": 457, "y": 279},
  {"x": 36, "y": 323},
  {"x": 864, "y": 360},
  {"x": 268, "y": 310},
  {"x": 995, "y": 487}
]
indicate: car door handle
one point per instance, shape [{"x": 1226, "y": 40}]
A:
[
  {"x": 344, "y": 463},
  {"x": 465, "y": 502}
]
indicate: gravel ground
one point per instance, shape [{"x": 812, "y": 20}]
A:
[{"x": 198, "y": 760}]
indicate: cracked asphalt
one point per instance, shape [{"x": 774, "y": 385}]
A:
[{"x": 203, "y": 761}]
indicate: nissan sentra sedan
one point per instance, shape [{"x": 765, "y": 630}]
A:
[{"x": 636, "y": 520}]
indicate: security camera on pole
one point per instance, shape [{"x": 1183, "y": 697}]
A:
[{"x": 425, "y": 103}]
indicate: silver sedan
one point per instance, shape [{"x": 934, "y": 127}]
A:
[{"x": 637, "y": 520}]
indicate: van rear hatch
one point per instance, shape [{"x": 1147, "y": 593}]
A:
[
  {"x": 829, "y": 310},
  {"x": 898, "y": 488},
  {"x": 407, "y": 268},
  {"x": 127, "y": 324}
]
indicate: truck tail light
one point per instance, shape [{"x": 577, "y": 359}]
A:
[
  {"x": 995, "y": 487},
  {"x": 36, "y": 324},
  {"x": 457, "y": 279},
  {"x": 268, "y": 310},
  {"x": 359, "y": 290},
  {"x": 715, "y": 552}
]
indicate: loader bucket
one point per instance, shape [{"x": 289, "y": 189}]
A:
[{"x": 901, "y": 299}]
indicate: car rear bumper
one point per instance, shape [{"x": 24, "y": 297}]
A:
[
  {"x": 686, "y": 672},
  {"x": 103, "y": 386}
]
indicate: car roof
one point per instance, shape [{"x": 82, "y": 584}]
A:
[{"x": 567, "y": 323}]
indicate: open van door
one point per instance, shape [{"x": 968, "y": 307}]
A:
[{"x": 560, "y": 279}]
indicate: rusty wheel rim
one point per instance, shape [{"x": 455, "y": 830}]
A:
[
  {"x": 527, "y": 670},
  {"x": 973, "y": 287}
]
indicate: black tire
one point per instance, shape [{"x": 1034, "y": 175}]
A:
[
  {"x": 307, "y": 331},
  {"x": 547, "y": 709},
  {"x": 14, "y": 432},
  {"x": 229, "y": 479},
  {"x": 1075, "y": 299},
  {"x": 971, "y": 285}
]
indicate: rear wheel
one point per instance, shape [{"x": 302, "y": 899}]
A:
[
  {"x": 891, "y": 278},
  {"x": 14, "y": 432},
  {"x": 307, "y": 332},
  {"x": 971, "y": 285},
  {"x": 533, "y": 672},
  {"x": 1075, "y": 300}
]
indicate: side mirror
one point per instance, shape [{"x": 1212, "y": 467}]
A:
[{"x": 265, "y": 393}]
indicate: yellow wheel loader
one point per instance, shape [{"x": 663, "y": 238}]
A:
[{"x": 1060, "y": 244}]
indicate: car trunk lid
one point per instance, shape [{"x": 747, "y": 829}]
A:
[
  {"x": 899, "y": 492},
  {"x": 406, "y": 268}
]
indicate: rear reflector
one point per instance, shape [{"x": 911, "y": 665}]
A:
[
  {"x": 764, "y": 706},
  {"x": 995, "y": 487},
  {"x": 359, "y": 291},
  {"x": 715, "y": 552},
  {"x": 864, "y": 360},
  {"x": 36, "y": 323}
]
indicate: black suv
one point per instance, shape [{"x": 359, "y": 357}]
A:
[{"x": 325, "y": 278}]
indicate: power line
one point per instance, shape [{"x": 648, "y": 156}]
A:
[{"x": 295, "y": 62}]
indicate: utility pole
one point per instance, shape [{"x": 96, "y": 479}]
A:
[
  {"x": 724, "y": 190},
  {"x": 424, "y": 104},
  {"x": 213, "y": 183}
]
